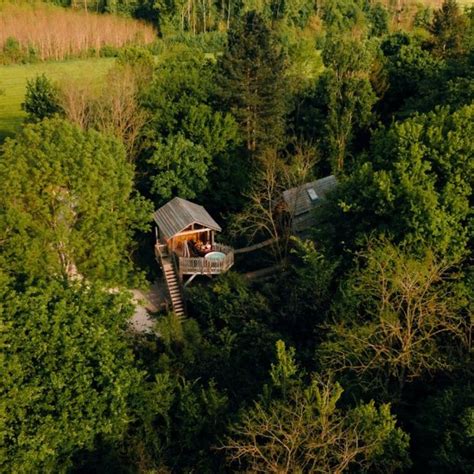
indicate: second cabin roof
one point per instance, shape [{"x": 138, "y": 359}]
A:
[
  {"x": 307, "y": 196},
  {"x": 178, "y": 214}
]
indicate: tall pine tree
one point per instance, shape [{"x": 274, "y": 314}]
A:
[{"x": 252, "y": 83}]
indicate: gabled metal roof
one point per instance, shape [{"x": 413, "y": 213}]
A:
[
  {"x": 301, "y": 199},
  {"x": 177, "y": 214}
]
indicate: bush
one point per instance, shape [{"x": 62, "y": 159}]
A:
[
  {"x": 41, "y": 99},
  {"x": 11, "y": 51},
  {"x": 109, "y": 51}
]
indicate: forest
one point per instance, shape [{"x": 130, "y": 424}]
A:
[{"x": 342, "y": 345}]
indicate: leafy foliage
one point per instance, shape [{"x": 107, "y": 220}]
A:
[
  {"x": 68, "y": 373},
  {"x": 188, "y": 139},
  {"x": 409, "y": 66},
  {"x": 448, "y": 28},
  {"x": 238, "y": 336},
  {"x": 176, "y": 422},
  {"x": 350, "y": 96},
  {"x": 67, "y": 203},
  {"x": 445, "y": 426},
  {"x": 415, "y": 185},
  {"x": 305, "y": 430},
  {"x": 342, "y": 15},
  {"x": 377, "y": 300},
  {"x": 303, "y": 294},
  {"x": 399, "y": 319}
]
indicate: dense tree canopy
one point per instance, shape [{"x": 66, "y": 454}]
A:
[
  {"x": 449, "y": 27},
  {"x": 67, "y": 372},
  {"x": 446, "y": 420},
  {"x": 67, "y": 203},
  {"x": 364, "y": 287},
  {"x": 304, "y": 429},
  {"x": 187, "y": 137},
  {"x": 238, "y": 333},
  {"x": 415, "y": 185},
  {"x": 350, "y": 96},
  {"x": 409, "y": 67},
  {"x": 399, "y": 318}
]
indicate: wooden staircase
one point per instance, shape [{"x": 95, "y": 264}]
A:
[{"x": 173, "y": 285}]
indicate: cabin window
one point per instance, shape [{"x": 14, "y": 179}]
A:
[{"x": 312, "y": 194}]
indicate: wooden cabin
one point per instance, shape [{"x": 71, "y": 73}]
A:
[
  {"x": 301, "y": 201},
  {"x": 185, "y": 234}
]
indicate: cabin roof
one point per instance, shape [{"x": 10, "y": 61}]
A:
[
  {"x": 307, "y": 196},
  {"x": 177, "y": 214}
]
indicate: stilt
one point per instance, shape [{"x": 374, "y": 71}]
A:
[{"x": 190, "y": 280}]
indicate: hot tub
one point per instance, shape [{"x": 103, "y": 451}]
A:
[{"x": 215, "y": 256}]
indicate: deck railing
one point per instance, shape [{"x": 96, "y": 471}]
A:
[
  {"x": 161, "y": 251},
  {"x": 191, "y": 265}
]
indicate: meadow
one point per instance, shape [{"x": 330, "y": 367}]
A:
[{"x": 13, "y": 81}]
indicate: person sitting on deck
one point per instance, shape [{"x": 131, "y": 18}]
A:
[{"x": 202, "y": 248}]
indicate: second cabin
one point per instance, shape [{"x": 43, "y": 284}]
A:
[
  {"x": 300, "y": 203},
  {"x": 185, "y": 234}
]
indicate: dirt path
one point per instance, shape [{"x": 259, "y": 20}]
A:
[{"x": 147, "y": 303}]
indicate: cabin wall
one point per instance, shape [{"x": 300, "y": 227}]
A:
[{"x": 178, "y": 240}]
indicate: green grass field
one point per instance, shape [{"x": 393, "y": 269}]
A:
[{"x": 13, "y": 83}]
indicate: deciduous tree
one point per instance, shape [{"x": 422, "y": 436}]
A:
[
  {"x": 304, "y": 293},
  {"x": 113, "y": 108},
  {"x": 350, "y": 96},
  {"x": 414, "y": 185},
  {"x": 264, "y": 216},
  {"x": 67, "y": 372},
  {"x": 186, "y": 137},
  {"x": 444, "y": 429},
  {"x": 400, "y": 318},
  {"x": 412, "y": 72},
  {"x": 305, "y": 429},
  {"x": 67, "y": 203},
  {"x": 237, "y": 335},
  {"x": 117, "y": 112}
]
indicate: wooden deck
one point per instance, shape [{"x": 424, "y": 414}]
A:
[
  {"x": 199, "y": 265},
  {"x": 203, "y": 266}
]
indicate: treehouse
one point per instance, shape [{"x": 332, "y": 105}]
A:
[
  {"x": 300, "y": 202},
  {"x": 185, "y": 238}
]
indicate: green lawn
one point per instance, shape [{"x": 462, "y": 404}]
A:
[{"x": 13, "y": 82}]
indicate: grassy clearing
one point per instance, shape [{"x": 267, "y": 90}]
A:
[{"x": 13, "y": 83}]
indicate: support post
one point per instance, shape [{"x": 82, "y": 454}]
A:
[{"x": 190, "y": 280}]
